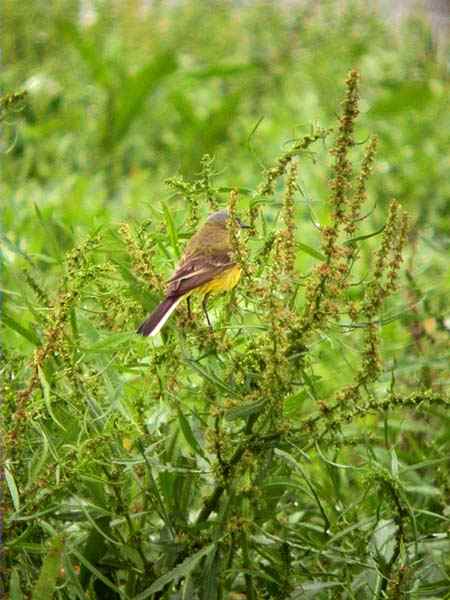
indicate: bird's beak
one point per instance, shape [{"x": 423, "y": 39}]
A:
[{"x": 244, "y": 226}]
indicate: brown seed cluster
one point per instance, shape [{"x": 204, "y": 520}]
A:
[
  {"x": 287, "y": 236},
  {"x": 360, "y": 196},
  {"x": 388, "y": 260},
  {"x": 141, "y": 252}
]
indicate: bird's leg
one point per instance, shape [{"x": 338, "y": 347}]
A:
[
  {"x": 204, "y": 303},
  {"x": 188, "y": 300}
]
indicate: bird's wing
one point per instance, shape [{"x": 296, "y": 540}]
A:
[{"x": 196, "y": 270}]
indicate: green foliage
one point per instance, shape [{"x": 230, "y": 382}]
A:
[{"x": 301, "y": 449}]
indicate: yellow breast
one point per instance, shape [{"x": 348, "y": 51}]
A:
[{"x": 222, "y": 283}]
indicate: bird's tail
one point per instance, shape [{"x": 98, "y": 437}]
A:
[{"x": 154, "y": 322}]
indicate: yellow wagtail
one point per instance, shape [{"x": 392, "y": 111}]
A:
[{"x": 206, "y": 267}]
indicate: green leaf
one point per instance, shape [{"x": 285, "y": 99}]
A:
[
  {"x": 94, "y": 571},
  {"x": 383, "y": 539},
  {"x": 30, "y": 336},
  {"x": 133, "y": 556},
  {"x": 245, "y": 410},
  {"x": 309, "y": 589},
  {"x": 309, "y": 381},
  {"x": 47, "y": 399},
  {"x": 14, "y": 585},
  {"x": 171, "y": 230},
  {"x": 311, "y": 251},
  {"x": 44, "y": 258},
  {"x": 188, "y": 589},
  {"x": 424, "y": 490},
  {"x": 294, "y": 403},
  {"x": 359, "y": 238},
  {"x": 73, "y": 577},
  {"x": 211, "y": 576},
  {"x": 210, "y": 377},
  {"x": 94, "y": 549},
  {"x": 177, "y": 573},
  {"x": 12, "y": 487},
  {"x": 293, "y": 463},
  {"x": 99, "y": 525},
  {"x": 110, "y": 342},
  {"x": 394, "y": 463},
  {"x": 14, "y": 248},
  {"x": 39, "y": 459},
  {"x": 240, "y": 190},
  {"x": 55, "y": 234},
  {"x": 46, "y": 584},
  {"x": 189, "y": 435}
]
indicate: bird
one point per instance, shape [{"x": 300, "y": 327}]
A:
[{"x": 207, "y": 267}]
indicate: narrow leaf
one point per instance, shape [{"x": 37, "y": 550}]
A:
[
  {"x": 175, "y": 574},
  {"x": 311, "y": 251},
  {"x": 14, "y": 248},
  {"x": 46, "y": 584},
  {"x": 171, "y": 230},
  {"x": 365, "y": 237},
  {"x": 110, "y": 342},
  {"x": 94, "y": 571},
  {"x": 210, "y": 377},
  {"x": 311, "y": 588},
  {"x": 189, "y": 435},
  {"x": 94, "y": 549},
  {"x": 47, "y": 399},
  {"x": 14, "y": 585},
  {"x": 245, "y": 410},
  {"x": 12, "y": 488},
  {"x": 39, "y": 459},
  {"x": 241, "y": 191},
  {"x": 30, "y": 336},
  {"x": 291, "y": 460}
]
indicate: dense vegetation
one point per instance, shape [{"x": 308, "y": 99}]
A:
[{"x": 300, "y": 450}]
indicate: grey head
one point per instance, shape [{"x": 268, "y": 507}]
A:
[{"x": 222, "y": 217}]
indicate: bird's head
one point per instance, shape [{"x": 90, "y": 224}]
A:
[{"x": 222, "y": 217}]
